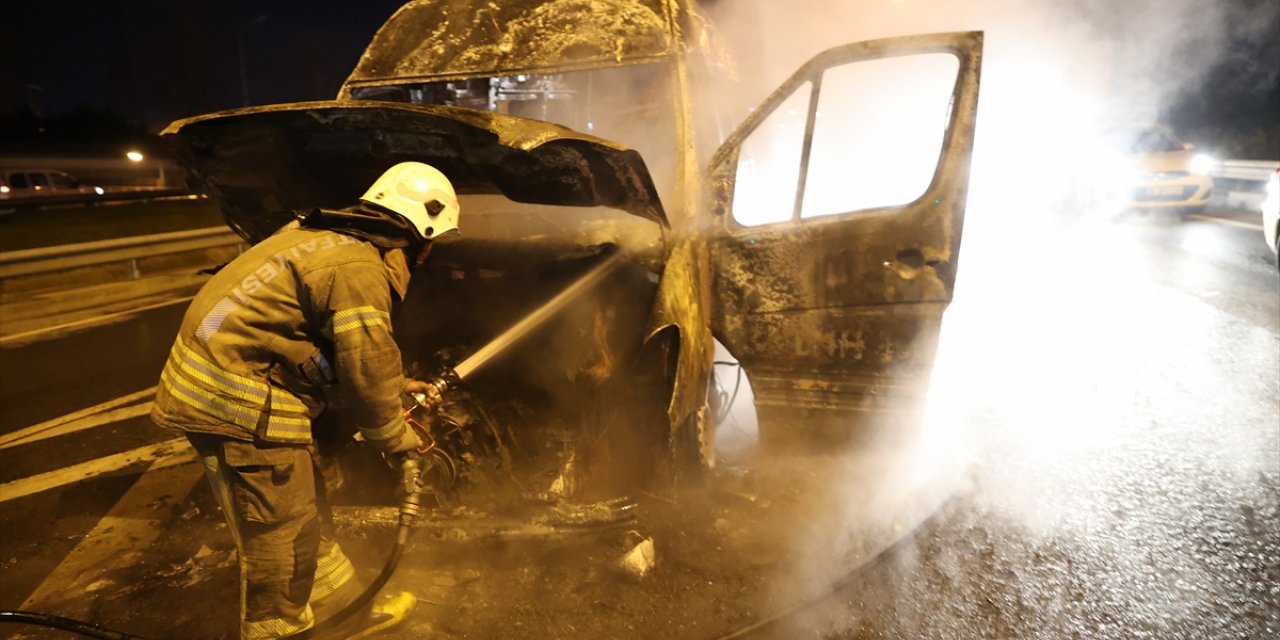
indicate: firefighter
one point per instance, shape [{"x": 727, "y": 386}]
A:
[{"x": 298, "y": 324}]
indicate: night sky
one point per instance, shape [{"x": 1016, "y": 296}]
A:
[{"x": 155, "y": 61}]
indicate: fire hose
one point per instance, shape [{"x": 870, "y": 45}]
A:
[
  {"x": 414, "y": 469},
  {"x": 410, "y": 508},
  {"x": 412, "y": 473}
]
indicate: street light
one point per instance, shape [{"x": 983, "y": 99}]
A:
[{"x": 136, "y": 156}]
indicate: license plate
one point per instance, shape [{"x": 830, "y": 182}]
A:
[{"x": 1165, "y": 190}]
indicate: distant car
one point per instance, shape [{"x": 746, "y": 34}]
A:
[
  {"x": 1164, "y": 173},
  {"x": 1271, "y": 213},
  {"x": 34, "y": 183}
]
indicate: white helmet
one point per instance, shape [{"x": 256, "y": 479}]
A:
[{"x": 420, "y": 194}]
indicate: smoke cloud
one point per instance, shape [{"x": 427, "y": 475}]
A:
[
  {"x": 1056, "y": 375},
  {"x": 1054, "y": 75}
]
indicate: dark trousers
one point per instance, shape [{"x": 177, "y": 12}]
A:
[{"x": 291, "y": 569}]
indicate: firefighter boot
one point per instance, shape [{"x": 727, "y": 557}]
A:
[{"x": 387, "y": 614}]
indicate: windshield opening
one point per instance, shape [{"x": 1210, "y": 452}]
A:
[{"x": 631, "y": 105}]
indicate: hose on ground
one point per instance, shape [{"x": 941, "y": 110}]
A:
[
  {"x": 362, "y": 603},
  {"x": 90, "y": 630},
  {"x": 87, "y": 629}
]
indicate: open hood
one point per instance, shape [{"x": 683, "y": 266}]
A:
[{"x": 262, "y": 163}]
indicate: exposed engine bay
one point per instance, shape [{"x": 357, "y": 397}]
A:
[{"x": 540, "y": 435}]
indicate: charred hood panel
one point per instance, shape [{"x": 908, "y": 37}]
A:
[{"x": 262, "y": 163}]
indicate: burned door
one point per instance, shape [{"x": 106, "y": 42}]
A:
[{"x": 837, "y": 208}]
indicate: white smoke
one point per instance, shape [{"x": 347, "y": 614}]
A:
[{"x": 1055, "y": 369}]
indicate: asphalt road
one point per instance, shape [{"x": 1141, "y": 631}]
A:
[
  {"x": 1110, "y": 400},
  {"x": 1104, "y": 437}
]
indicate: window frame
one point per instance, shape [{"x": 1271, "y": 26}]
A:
[{"x": 816, "y": 78}]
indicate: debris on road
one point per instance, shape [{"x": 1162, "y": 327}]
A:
[{"x": 641, "y": 557}]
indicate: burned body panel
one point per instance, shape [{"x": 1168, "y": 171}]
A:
[
  {"x": 617, "y": 67},
  {"x": 262, "y": 163},
  {"x": 439, "y": 39},
  {"x": 836, "y": 318}
]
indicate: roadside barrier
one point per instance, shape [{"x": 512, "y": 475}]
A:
[
  {"x": 1241, "y": 184},
  {"x": 130, "y": 250},
  {"x": 1245, "y": 170},
  {"x": 124, "y": 194}
]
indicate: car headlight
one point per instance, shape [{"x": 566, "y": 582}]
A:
[{"x": 1201, "y": 164}]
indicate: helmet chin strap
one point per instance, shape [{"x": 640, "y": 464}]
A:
[{"x": 422, "y": 254}]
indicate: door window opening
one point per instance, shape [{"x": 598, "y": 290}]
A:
[
  {"x": 872, "y": 141},
  {"x": 769, "y": 163},
  {"x": 878, "y": 133}
]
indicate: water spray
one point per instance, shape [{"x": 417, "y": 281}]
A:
[
  {"x": 451, "y": 378},
  {"x": 417, "y": 468}
]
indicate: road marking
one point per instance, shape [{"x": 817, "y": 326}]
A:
[
  {"x": 136, "y": 521},
  {"x": 162, "y": 454},
  {"x": 109, "y": 417},
  {"x": 1234, "y": 223},
  {"x": 86, "y": 323},
  {"x": 94, "y": 416}
]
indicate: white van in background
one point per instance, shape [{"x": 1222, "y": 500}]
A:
[{"x": 31, "y": 183}]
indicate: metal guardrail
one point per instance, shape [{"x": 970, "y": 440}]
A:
[
  {"x": 70, "y": 256},
  {"x": 1245, "y": 170},
  {"x": 37, "y": 202},
  {"x": 1241, "y": 184}
]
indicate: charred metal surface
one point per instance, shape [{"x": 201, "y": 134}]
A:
[
  {"x": 262, "y": 163},
  {"x": 440, "y": 39},
  {"x": 578, "y": 400},
  {"x": 532, "y": 519},
  {"x": 683, "y": 304},
  {"x": 836, "y": 319},
  {"x": 683, "y": 299},
  {"x": 473, "y": 42}
]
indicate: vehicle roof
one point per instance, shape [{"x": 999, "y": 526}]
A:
[{"x": 424, "y": 40}]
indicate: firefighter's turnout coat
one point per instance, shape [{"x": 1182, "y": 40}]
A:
[{"x": 299, "y": 322}]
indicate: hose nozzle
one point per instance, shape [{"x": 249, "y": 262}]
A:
[
  {"x": 447, "y": 379},
  {"x": 411, "y": 486}
]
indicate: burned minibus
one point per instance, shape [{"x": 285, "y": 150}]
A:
[{"x": 615, "y": 224}]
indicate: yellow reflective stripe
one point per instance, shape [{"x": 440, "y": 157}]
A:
[
  {"x": 386, "y": 431},
  {"x": 276, "y": 627},
  {"x": 332, "y": 582},
  {"x": 355, "y": 318},
  {"x": 280, "y": 428},
  {"x": 206, "y": 403},
  {"x": 229, "y": 383},
  {"x": 287, "y": 429},
  {"x": 292, "y": 422},
  {"x": 332, "y": 572},
  {"x": 331, "y": 560},
  {"x": 284, "y": 401},
  {"x": 248, "y": 389}
]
